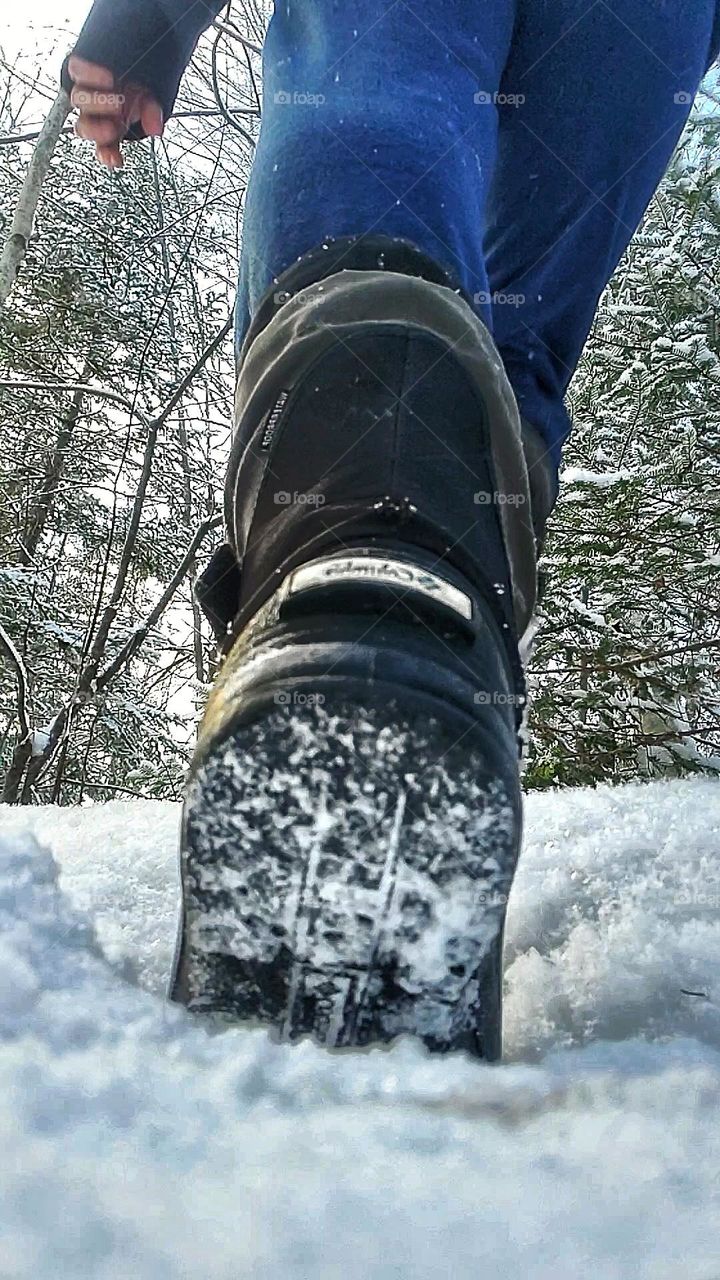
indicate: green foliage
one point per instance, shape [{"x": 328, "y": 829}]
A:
[{"x": 626, "y": 670}]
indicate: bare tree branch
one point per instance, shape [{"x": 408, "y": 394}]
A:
[
  {"x": 23, "y": 684},
  {"x": 97, "y": 648},
  {"x": 228, "y": 29},
  {"x": 75, "y": 388},
  {"x": 15, "y": 246},
  {"x": 24, "y": 745},
  {"x": 136, "y": 639}
]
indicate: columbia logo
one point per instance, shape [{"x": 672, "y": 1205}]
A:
[
  {"x": 393, "y": 573},
  {"x": 273, "y": 419}
]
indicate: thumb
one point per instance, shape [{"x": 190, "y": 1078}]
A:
[{"x": 151, "y": 118}]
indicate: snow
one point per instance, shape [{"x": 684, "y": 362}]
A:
[
  {"x": 39, "y": 741},
  {"x": 137, "y": 1146},
  {"x": 601, "y": 479}
]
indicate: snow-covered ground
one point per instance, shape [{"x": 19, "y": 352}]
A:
[{"x": 136, "y": 1146}]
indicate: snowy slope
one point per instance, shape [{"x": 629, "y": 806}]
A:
[{"x": 138, "y": 1146}]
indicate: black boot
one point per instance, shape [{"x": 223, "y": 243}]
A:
[{"x": 353, "y": 812}]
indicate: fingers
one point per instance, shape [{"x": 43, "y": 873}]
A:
[
  {"x": 110, "y": 156},
  {"x": 106, "y": 110},
  {"x": 89, "y": 74},
  {"x": 97, "y": 102},
  {"x": 100, "y": 129},
  {"x": 101, "y": 109},
  {"x": 151, "y": 117}
]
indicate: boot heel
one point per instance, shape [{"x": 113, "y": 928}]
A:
[{"x": 346, "y": 866}]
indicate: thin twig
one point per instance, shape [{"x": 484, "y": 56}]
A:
[{"x": 23, "y": 684}]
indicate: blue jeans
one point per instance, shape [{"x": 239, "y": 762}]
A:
[{"x": 516, "y": 141}]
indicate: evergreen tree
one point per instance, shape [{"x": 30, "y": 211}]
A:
[{"x": 625, "y": 673}]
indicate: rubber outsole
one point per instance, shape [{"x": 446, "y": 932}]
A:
[{"x": 346, "y": 867}]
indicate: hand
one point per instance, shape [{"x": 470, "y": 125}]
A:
[{"x": 108, "y": 110}]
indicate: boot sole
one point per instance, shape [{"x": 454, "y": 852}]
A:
[{"x": 346, "y": 864}]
